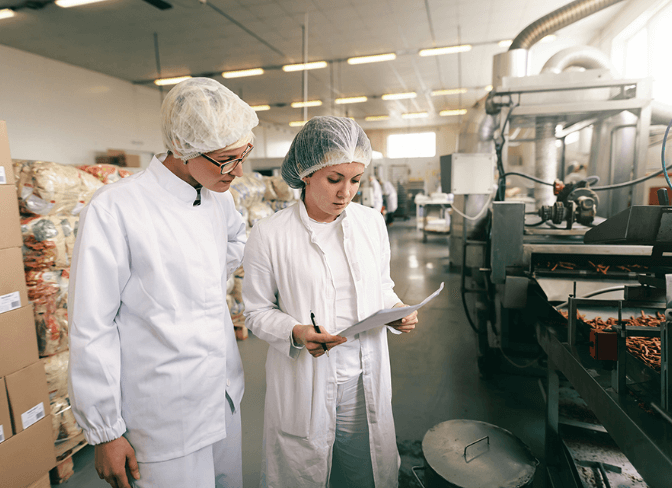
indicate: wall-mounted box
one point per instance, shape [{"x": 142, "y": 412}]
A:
[{"x": 468, "y": 174}]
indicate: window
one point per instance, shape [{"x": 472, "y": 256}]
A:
[
  {"x": 644, "y": 51},
  {"x": 417, "y": 145}
]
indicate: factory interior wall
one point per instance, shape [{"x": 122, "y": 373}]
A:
[
  {"x": 58, "y": 112},
  {"x": 419, "y": 169}
]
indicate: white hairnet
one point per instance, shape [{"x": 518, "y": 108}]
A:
[
  {"x": 325, "y": 141},
  {"x": 201, "y": 115}
]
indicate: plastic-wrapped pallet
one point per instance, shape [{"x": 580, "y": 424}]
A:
[
  {"x": 282, "y": 190},
  {"x": 106, "y": 173},
  {"x": 63, "y": 420},
  {"x": 56, "y": 369},
  {"x": 48, "y": 291},
  {"x": 48, "y": 240},
  {"x": 277, "y": 205},
  {"x": 47, "y": 188},
  {"x": 248, "y": 189},
  {"x": 270, "y": 191},
  {"x": 258, "y": 211}
]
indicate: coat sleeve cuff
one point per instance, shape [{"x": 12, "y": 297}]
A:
[
  {"x": 99, "y": 436},
  {"x": 294, "y": 348}
]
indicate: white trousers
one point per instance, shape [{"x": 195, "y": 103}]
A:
[
  {"x": 219, "y": 465},
  {"x": 351, "y": 460}
]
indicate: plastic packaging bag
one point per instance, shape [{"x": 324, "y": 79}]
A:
[{"x": 47, "y": 188}]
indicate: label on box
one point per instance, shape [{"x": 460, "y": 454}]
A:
[
  {"x": 32, "y": 416},
  {"x": 2, "y": 434},
  {"x": 3, "y": 180},
  {"x": 10, "y": 302}
]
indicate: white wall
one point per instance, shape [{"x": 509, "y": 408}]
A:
[{"x": 58, "y": 112}]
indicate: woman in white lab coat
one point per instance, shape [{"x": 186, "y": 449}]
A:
[
  {"x": 328, "y": 418},
  {"x": 155, "y": 374}
]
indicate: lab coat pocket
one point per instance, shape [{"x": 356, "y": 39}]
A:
[{"x": 292, "y": 396}]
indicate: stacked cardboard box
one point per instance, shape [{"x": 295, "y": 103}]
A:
[{"x": 26, "y": 436}]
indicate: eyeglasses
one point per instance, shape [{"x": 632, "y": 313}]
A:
[{"x": 229, "y": 166}]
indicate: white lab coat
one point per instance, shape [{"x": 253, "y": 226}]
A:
[
  {"x": 287, "y": 276},
  {"x": 152, "y": 347},
  {"x": 377, "y": 195},
  {"x": 391, "y": 195}
]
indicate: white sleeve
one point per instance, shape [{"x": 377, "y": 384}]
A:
[
  {"x": 260, "y": 297},
  {"x": 235, "y": 226},
  {"x": 100, "y": 270},
  {"x": 390, "y": 298}
]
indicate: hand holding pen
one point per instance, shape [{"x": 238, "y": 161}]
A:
[
  {"x": 316, "y": 341},
  {"x": 317, "y": 329}
]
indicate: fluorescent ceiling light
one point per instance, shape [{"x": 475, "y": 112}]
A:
[
  {"x": 445, "y": 50},
  {"x": 302, "y": 66},
  {"x": 373, "y": 118},
  {"x": 453, "y": 91},
  {"x": 488, "y": 88},
  {"x": 505, "y": 43},
  {"x": 75, "y": 3},
  {"x": 415, "y": 115},
  {"x": 549, "y": 38},
  {"x": 342, "y": 101},
  {"x": 372, "y": 59},
  {"x": 7, "y": 13},
  {"x": 309, "y": 103},
  {"x": 446, "y": 113},
  {"x": 399, "y": 96},
  {"x": 298, "y": 123},
  {"x": 259, "y": 108},
  {"x": 170, "y": 81},
  {"x": 243, "y": 72}
]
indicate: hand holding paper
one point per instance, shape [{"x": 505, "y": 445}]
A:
[{"x": 385, "y": 316}]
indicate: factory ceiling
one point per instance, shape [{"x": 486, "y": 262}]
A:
[{"x": 138, "y": 42}]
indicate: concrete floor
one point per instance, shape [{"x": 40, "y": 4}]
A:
[{"x": 434, "y": 372}]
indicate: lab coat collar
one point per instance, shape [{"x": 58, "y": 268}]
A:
[
  {"x": 170, "y": 182},
  {"x": 305, "y": 219}
]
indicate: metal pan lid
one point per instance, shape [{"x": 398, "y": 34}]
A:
[{"x": 473, "y": 454}]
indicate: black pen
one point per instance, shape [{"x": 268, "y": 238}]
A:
[{"x": 317, "y": 329}]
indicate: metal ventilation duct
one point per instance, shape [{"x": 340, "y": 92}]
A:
[{"x": 556, "y": 20}]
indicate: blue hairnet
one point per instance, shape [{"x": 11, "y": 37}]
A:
[
  {"x": 324, "y": 141},
  {"x": 201, "y": 115}
]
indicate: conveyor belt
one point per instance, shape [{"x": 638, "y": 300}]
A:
[{"x": 644, "y": 437}]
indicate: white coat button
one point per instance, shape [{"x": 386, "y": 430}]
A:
[{"x": 228, "y": 382}]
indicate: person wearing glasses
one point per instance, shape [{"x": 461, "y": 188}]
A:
[
  {"x": 324, "y": 261},
  {"x": 155, "y": 375}
]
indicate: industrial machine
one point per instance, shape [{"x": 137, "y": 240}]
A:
[{"x": 573, "y": 281}]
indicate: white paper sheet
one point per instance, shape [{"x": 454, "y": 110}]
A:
[{"x": 385, "y": 316}]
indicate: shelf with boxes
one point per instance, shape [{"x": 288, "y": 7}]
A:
[{"x": 26, "y": 433}]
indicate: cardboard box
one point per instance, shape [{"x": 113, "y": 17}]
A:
[
  {"x": 120, "y": 158},
  {"x": 5, "y": 419},
  {"x": 10, "y": 225},
  {"x": 13, "y": 291},
  {"x": 43, "y": 482},
  {"x": 27, "y": 456},
  {"x": 6, "y": 172},
  {"x": 28, "y": 396},
  {"x": 18, "y": 341}
]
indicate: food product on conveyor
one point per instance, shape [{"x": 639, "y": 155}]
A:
[
  {"x": 600, "y": 268},
  {"x": 646, "y": 349}
]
